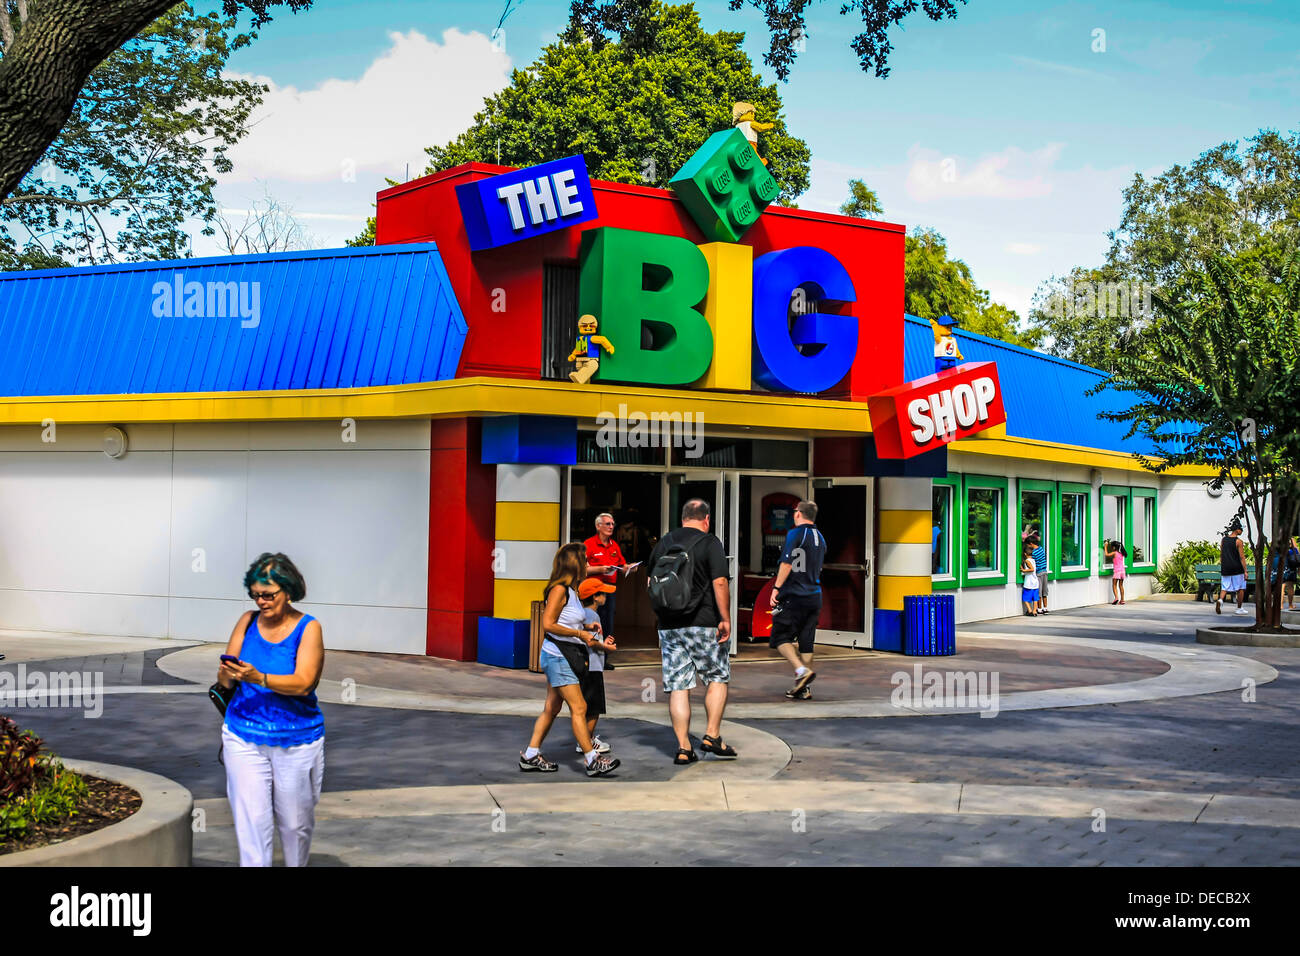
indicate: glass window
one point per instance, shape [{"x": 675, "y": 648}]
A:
[
  {"x": 941, "y": 532},
  {"x": 1113, "y": 508},
  {"x": 1074, "y": 521},
  {"x": 1143, "y": 523},
  {"x": 982, "y": 538}
]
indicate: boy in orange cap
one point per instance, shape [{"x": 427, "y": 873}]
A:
[{"x": 592, "y": 593}]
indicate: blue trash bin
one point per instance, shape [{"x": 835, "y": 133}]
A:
[{"x": 929, "y": 625}]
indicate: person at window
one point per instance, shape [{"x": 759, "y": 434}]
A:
[
  {"x": 273, "y": 739},
  {"x": 1029, "y": 588},
  {"x": 1116, "y": 553},
  {"x": 1040, "y": 561},
  {"x": 1232, "y": 569}
]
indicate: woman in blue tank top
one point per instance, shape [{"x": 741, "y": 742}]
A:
[{"x": 273, "y": 739}]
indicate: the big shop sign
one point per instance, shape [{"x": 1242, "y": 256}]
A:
[{"x": 691, "y": 295}]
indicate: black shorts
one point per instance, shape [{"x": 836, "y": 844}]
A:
[
  {"x": 795, "y": 619},
  {"x": 593, "y": 692}
]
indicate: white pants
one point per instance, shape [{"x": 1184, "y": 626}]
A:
[{"x": 273, "y": 788}]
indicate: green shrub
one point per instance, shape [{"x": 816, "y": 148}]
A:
[
  {"x": 35, "y": 788},
  {"x": 1177, "y": 573}
]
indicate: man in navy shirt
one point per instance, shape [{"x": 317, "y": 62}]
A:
[{"x": 797, "y": 597}]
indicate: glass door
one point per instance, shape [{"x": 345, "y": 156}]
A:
[
  {"x": 722, "y": 491},
  {"x": 845, "y": 515}
]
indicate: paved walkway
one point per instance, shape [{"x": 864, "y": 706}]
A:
[{"x": 1149, "y": 734}]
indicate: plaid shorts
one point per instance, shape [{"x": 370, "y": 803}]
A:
[{"x": 691, "y": 651}]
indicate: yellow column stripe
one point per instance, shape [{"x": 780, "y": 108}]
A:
[
  {"x": 513, "y": 599},
  {"x": 528, "y": 520},
  {"x": 906, "y": 527},
  {"x": 891, "y": 589},
  {"x": 728, "y": 307}
]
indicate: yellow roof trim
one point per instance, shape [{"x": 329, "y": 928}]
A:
[
  {"x": 1036, "y": 450},
  {"x": 507, "y": 396},
  {"x": 465, "y": 396}
]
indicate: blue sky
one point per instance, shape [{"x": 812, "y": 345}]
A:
[{"x": 1008, "y": 129}]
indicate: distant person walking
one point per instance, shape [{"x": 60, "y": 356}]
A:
[
  {"x": 1232, "y": 569},
  {"x": 1290, "y": 570},
  {"x": 797, "y": 598},
  {"x": 564, "y": 660},
  {"x": 1115, "y": 554},
  {"x": 273, "y": 739},
  {"x": 689, "y": 592}
]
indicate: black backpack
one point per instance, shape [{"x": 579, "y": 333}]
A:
[{"x": 672, "y": 580}]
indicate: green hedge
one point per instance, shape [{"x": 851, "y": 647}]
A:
[{"x": 1177, "y": 573}]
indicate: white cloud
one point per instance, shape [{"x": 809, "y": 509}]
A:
[
  {"x": 1023, "y": 248},
  {"x": 418, "y": 93},
  {"x": 1010, "y": 174}
]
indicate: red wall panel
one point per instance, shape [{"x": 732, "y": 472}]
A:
[{"x": 507, "y": 340}]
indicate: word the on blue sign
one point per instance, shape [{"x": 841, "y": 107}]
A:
[{"x": 527, "y": 202}]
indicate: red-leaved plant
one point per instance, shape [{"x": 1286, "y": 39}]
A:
[{"x": 19, "y": 754}]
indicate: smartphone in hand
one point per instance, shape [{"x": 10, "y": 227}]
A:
[{"x": 230, "y": 659}]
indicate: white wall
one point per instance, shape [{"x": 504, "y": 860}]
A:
[
  {"x": 155, "y": 544},
  {"x": 1188, "y": 513},
  {"x": 988, "y": 603}
]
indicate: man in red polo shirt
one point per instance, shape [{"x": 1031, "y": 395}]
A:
[{"x": 603, "y": 552}]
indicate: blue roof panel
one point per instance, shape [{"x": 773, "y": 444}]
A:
[
  {"x": 332, "y": 318},
  {"x": 1043, "y": 394}
]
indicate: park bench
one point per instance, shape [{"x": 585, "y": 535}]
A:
[{"x": 1207, "y": 581}]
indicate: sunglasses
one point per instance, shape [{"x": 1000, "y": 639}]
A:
[{"x": 264, "y": 595}]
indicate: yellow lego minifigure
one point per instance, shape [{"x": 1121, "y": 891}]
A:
[
  {"x": 742, "y": 117},
  {"x": 586, "y": 350},
  {"x": 946, "y": 353}
]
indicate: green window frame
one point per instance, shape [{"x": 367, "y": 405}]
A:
[
  {"x": 1150, "y": 494},
  {"x": 956, "y": 530},
  {"x": 1060, "y": 570},
  {"x": 1032, "y": 484},
  {"x": 1131, "y": 494},
  {"x": 975, "y": 579},
  {"x": 1105, "y": 569}
]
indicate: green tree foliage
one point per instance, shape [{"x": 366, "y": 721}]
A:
[
  {"x": 935, "y": 285},
  {"x": 637, "y": 103},
  {"x": 48, "y": 49},
  {"x": 136, "y": 157},
  {"x": 1216, "y": 383},
  {"x": 786, "y": 27},
  {"x": 1239, "y": 202},
  {"x": 862, "y": 202}
]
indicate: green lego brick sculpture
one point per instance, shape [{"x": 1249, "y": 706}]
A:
[{"x": 725, "y": 186}]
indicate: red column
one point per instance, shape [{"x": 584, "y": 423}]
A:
[{"x": 462, "y": 534}]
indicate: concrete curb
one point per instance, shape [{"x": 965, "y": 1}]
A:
[
  {"x": 1192, "y": 671},
  {"x": 1210, "y": 635},
  {"x": 158, "y": 834},
  {"x": 755, "y": 796}
]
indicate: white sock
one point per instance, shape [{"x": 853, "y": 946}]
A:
[
  {"x": 531, "y": 752},
  {"x": 799, "y": 671},
  {"x": 591, "y": 756}
]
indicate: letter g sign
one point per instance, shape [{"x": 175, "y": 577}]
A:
[{"x": 778, "y": 363}]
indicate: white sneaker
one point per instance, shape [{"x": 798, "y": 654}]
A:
[
  {"x": 600, "y": 745},
  {"x": 1242, "y": 610}
]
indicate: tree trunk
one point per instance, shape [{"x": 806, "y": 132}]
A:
[{"x": 43, "y": 73}]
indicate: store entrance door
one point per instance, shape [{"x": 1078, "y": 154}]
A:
[
  {"x": 845, "y": 515},
  {"x": 721, "y": 489}
]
